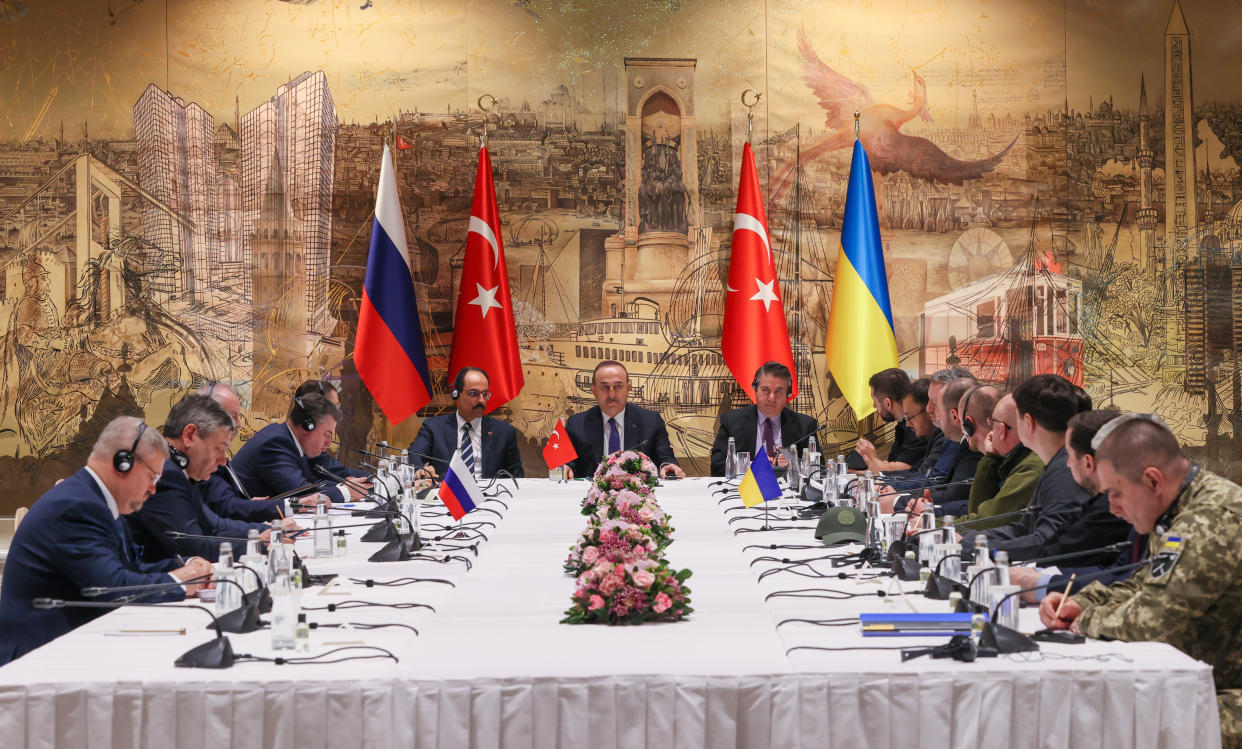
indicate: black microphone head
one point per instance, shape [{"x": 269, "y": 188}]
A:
[
  {"x": 47, "y": 603},
  {"x": 93, "y": 592}
]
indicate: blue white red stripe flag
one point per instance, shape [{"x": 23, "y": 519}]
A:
[
  {"x": 458, "y": 491},
  {"x": 388, "y": 349}
]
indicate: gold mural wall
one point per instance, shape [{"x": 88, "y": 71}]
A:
[{"x": 186, "y": 192}]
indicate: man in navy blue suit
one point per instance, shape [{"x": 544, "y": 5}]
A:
[
  {"x": 224, "y": 492},
  {"x": 74, "y": 538},
  {"x": 488, "y": 445},
  {"x": 277, "y": 458},
  {"x": 768, "y": 422},
  {"x": 614, "y": 424},
  {"x": 199, "y": 432},
  {"x": 326, "y": 458}
]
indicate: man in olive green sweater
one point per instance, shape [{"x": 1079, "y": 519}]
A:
[{"x": 1006, "y": 476}]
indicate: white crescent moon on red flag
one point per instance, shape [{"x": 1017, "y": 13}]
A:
[
  {"x": 745, "y": 222},
  {"x": 554, "y": 438},
  {"x": 480, "y": 227}
]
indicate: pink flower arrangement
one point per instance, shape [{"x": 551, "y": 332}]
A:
[
  {"x": 629, "y": 593},
  {"x": 622, "y": 577}
]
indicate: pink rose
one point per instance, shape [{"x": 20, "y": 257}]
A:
[
  {"x": 598, "y": 603},
  {"x": 662, "y": 602},
  {"x": 644, "y": 579},
  {"x": 645, "y": 514},
  {"x": 590, "y": 555},
  {"x": 609, "y": 584}
]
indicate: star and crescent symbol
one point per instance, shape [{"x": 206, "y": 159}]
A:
[{"x": 765, "y": 293}]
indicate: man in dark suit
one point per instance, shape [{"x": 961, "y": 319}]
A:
[
  {"x": 612, "y": 424},
  {"x": 277, "y": 458},
  {"x": 768, "y": 422},
  {"x": 74, "y": 538},
  {"x": 326, "y": 458},
  {"x": 224, "y": 492},
  {"x": 488, "y": 445},
  {"x": 199, "y": 432}
]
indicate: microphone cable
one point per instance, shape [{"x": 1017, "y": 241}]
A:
[
  {"x": 842, "y": 622},
  {"x": 401, "y": 581},
  {"x": 376, "y": 652},
  {"x": 774, "y": 547},
  {"x": 815, "y": 574},
  {"x": 837, "y": 595},
  {"x": 345, "y": 605},
  {"x": 360, "y": 625}
]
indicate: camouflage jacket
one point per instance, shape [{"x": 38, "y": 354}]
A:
[{"x": 1191, "y": 595}]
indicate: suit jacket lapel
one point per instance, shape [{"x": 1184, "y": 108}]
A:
[
  {"x": 633, "y": 431},
  {"x": 595, "y": 435}
]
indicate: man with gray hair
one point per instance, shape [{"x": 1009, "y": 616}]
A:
[
  {"x": 74, "y": 538},
  {"x": 199, "y": 432},
  {"x": 1190, "y": 596}
]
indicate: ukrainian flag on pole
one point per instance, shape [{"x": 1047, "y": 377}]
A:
[
  {"x": 860, "y": 339},
  {"x": 759, "y": 485}
]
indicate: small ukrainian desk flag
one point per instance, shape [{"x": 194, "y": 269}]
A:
[{"x": 759, "y": 484}]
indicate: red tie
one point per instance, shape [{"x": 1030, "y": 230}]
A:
[{"x": 768, "y": 437}]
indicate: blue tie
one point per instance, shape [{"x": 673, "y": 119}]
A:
[
  {"x": 614, "y": 438},
  {"x": 467, "y": 450},
  {"x": 122, "y": 530}
]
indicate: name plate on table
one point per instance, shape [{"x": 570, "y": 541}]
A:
[{"x": 915, "y": 625}]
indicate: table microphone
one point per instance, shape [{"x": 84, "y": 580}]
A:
[
  {"x": 970, "y": 584},
  {"x": 243, "y": 619},
  {"x": 217, "y": 653},
  {"x": 319, "y": 469},
  {"x": 1000, "y": 639}
]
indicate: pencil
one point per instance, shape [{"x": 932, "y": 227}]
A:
[
  {"x": 280, "y": 512},
  {"x": 1068, "y": 587}
]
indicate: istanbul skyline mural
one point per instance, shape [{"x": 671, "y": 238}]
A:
[{"x": 186, "y": 193}]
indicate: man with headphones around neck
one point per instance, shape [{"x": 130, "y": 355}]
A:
[
  {"x": 488, "y": 445},
  {"x": 199, "y": 432},
  {"x": 277, "y": 458},
  {"x": 767, "y": 422},
  {"x": 74, "y": 537}
]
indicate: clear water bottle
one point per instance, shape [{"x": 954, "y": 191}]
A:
[
  {"x": 409, "y": 509},
  {"x": 730, "y": 460},
  {"x": 875, "y": 530},
  {"x": 322, "y": 532},
  {"x": 980, "y": 589},
  {"x": 947, "y": 530},
  {"x": 278, "y": 559},
  {"x": 228, "y": 597},
  {"x": 253, "y": 559},
  {"x": 284, "y": 615},
  {"x": 1002, "y": 568}
]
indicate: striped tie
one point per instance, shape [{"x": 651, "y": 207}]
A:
[{"x": 467, "y": 450}]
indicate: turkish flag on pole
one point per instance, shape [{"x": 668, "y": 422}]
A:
[
  {"x": 559, "y": 449},
  {"x": 754, "y": 320},
  {"x": 402, "y": 144},
  {"x": 484, "y": 335}
]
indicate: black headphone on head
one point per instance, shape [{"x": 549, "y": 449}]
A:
[
  {"x": 123, "y": 460},
  {"x": 211, "y": 385},
  {"x": 181, "y": 459},
  {"x": 306, "y": 421},
  {"x": 968, "y": 422}
]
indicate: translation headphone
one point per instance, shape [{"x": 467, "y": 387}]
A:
[
  {"x": 181, "y": 459},
  {"x": 307, "y": 421},
  {"x": 211, "y": 385},
  {"x": 968, "y": 422},
  {"x": 123, "y": 460}
]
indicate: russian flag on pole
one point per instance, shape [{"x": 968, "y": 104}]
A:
[
  {"x": 388, "y": 349},
  {"x": 458, "y": 491}
]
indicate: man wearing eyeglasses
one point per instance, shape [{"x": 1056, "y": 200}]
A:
[
  {"x": 614, "y": 424},
  {"x": 768, "y": 423},
  {"x": 74, "y": 538},
  {"x": 1005, "y": 478},
  {"x": 488, "y": 445}
]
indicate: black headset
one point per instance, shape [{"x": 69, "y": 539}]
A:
[
  {"x": 306, "y": 421},
  {"x": 968, "y": 422},
  {"x": 178, "y": 457},
  {"x": 211, "y": 385},
  {"x": 123, "y": 460}
]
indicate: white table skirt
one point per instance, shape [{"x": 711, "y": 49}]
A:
[{"x": 493, "y": 668}]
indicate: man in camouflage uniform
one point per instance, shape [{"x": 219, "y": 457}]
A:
[{"x": 1191, "y": 594}]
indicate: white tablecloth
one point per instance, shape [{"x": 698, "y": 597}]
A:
[{"x": 493, "y": 668}]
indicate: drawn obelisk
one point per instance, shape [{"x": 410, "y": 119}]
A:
[{"x": 1181, "y": 213}]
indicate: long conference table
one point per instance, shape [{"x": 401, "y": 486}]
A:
[{"x": 492, "y": 667}]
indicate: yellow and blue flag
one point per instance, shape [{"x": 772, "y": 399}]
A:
[
  {"x": 860, "y": 339},
  {"x": 759, "y": 484}
]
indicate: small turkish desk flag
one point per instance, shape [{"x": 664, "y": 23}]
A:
[{"x": 559, "y": 449}]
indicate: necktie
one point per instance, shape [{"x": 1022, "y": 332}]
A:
[
  {"x": 122, "y": 530},
  {"x": 614, "y": 437},
  {"x": 467, "y": 449},
  {"x": 769, "y": 438}
]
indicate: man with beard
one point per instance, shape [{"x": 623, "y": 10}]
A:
[
  {"x": 888, "y": 389},
  {"x": 488, "y": 445}
]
